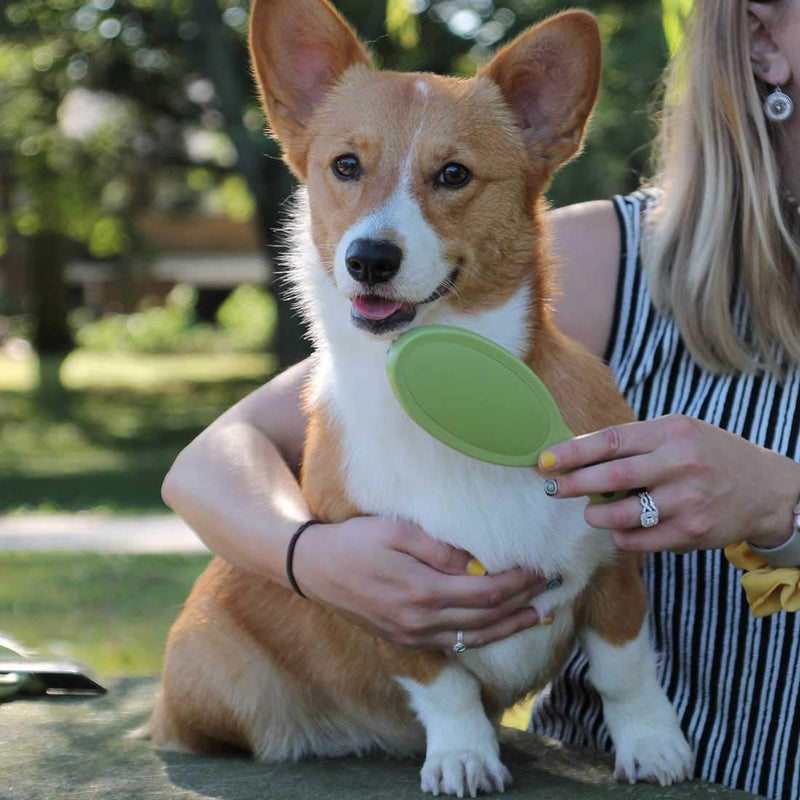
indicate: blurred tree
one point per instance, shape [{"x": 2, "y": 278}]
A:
[
  {"x": 68, "y": 146},
  {"x": 115, "y": 106},
  {"x": 225, "y": 63}
]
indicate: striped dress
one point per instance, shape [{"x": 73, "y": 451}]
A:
[{"x": 733, "y": 679}]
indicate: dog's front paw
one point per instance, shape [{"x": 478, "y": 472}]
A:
[
  {"x": 654, "y": 756},
  {"x": 464, "y": 772}
]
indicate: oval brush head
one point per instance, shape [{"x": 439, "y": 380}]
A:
[{"x": 476, "y": 397}]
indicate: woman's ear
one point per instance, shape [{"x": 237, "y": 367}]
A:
[{"x": 770, "y": 64}]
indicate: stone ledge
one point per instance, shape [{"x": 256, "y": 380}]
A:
[{"x": 76, "y": 748}]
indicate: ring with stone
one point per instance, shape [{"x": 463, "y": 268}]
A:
[
  {"x": 649, "y": 515},
  {"x": 459, "y": 647}
]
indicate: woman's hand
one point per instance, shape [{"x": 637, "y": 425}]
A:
[
  {"x": 391, "y": 577},
  {"x": 712, "y": 488}
]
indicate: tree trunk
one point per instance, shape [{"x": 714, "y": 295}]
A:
[
  {"x": 45, "y": 261},
  {"x": 267, "y": 179},
  {"x": 45, "y": 258}
]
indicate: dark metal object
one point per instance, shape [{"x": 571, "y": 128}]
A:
[{"x": 21, "y": 677}]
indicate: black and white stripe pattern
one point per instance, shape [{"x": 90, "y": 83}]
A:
[{"x": 733, "y": 679}]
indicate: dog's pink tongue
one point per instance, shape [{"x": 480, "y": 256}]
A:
[{"x": 375, "y": 307}]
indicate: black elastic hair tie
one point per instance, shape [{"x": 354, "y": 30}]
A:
[{"x": 290, "y": 554}]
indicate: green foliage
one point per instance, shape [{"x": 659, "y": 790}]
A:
[
  {"x": 99, "y": 92},
  {"x": 56, "y": 176},
  {"x": 617, "y": 153},
  {"x": 236, "y": 200},
  {"x": 401, "y": 23},
  {"x": 246, "y": 324},
  {"x": 676, "y": 13},
  {"x": 248, "y": 317},
  {"x": 155, "y": 329}
]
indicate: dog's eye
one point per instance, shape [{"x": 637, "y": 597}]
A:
[
  {"x": 347, "y": 167},
  {"x": 453, "y": 176}
]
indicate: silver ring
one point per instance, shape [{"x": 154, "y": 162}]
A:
[
  {"x": 459, "y": 647},
  {"x": 554, "y": 583},
  {"x": 649, "y": 515}
]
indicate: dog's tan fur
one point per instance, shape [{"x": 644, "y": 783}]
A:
[{"x": 249, "y": 665}]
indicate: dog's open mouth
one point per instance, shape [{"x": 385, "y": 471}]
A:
[{"x": 378, "y": 314}]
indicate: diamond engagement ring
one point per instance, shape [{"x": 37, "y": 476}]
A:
[
  {"x": 649, "y": 515},
  {"x": 459, "y": 647}
]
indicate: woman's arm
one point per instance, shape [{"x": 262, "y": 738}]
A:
[
  {"x": 236, "y": 486},
  {"x": 712, "y": 488}
]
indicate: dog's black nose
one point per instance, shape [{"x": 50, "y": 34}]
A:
[{"x": 370, "y": 261}]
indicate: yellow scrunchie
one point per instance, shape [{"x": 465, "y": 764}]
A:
[{"x": 768, "y": 589}]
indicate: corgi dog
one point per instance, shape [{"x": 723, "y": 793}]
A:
[{"x": 422, "y": 203}]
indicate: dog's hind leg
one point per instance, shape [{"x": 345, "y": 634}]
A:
[
  {"x": 648, "y": 740},
  {"x": 216, "y": 686},
  {"x": 252, "y": 668},
  {"x": 223, "y": 694}
]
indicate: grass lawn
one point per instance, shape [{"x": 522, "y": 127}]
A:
[
  {"x": 111, "y": 611},
  {"x": 106, "y": 440}
]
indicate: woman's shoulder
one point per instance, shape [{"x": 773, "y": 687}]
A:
[
  {"x": 598, "y": 246},
  {"x": 587, "y": 242}
]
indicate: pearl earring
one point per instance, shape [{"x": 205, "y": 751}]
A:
[{"x": 778, "y": 106}]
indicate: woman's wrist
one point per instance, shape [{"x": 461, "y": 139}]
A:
[
  {"x": 776, "y": 522},
  {"x": 310, "y": 560},
  {"x": 301, "y": 529}
]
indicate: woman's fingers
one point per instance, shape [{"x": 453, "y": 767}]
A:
[
  {"x": 391, "y": 577},
  {"x": 426, "y": 626},
  {"x": 615, "y": 442},
  {"x": 652, "y": 540},
  {"x": 488, "y": 591},
  {"x": 411, "y": 539},
  {"x": 611, "y": 476},
  {"x": 477, "y": 618},
  {"x": 457, "y": 588},
  {"x": 624, "y": 515},
  {"x": 624, "y": 519},
  {"x": 518, "y": 621},
  {"x": 619, "y": 441}
]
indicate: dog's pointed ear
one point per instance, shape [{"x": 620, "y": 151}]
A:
[
  {"x": 550, "y": 76},
  {"x": 299, "y": 49}
]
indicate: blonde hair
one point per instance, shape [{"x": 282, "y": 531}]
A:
[{"x": 719, "y": 225}]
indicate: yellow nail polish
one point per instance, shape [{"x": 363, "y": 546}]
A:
[
  {"x": 547, "y": 459},
  {"x": 476, "y": 568},
  {"x": 547, "y": 621}
]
